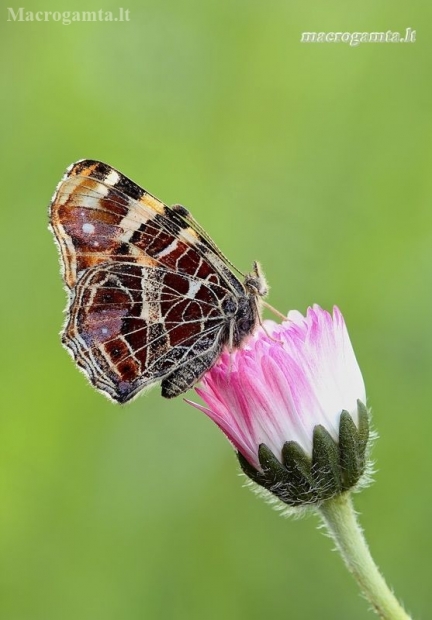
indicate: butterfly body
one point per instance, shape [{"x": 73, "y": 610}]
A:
[{"x": 151, "y": 298}]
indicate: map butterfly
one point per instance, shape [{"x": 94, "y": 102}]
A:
[{"x": 151, "y": 297}]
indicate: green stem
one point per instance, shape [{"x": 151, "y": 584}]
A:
[{"x": 340, "y": 519}]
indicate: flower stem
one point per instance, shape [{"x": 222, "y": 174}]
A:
[{"x": 340, "y": 519}]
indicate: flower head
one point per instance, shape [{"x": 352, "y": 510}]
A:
[{"x": 291, "y": 403}]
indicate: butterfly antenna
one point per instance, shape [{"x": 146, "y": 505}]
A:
[{"x": 276, "y": 312}]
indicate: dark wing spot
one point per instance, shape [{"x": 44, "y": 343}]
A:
[
  {"x": 123, "y": 249},
  {"x": 100, "y": 171},
  {"x": 129, "y": 188},
  {"x": 181, "y": 210}
]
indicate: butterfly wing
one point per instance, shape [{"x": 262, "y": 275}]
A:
[
  {"x": 98, "y": 215},
  {"x": 151, "y": 298},
  {"x": 132, "y": 325}
]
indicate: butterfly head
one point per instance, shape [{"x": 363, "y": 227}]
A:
[
  {"x": 255, "y": 282},
  {"x": 247, "y": 313}
]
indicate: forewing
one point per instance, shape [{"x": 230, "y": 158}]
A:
[
  {"x": 133, "y": 325},
  {"x": 99, "y": 215}
]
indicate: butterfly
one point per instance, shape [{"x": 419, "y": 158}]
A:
[{"x": 151, "y": 298}]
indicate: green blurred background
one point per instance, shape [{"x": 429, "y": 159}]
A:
[{"x": 313, "y": 159}]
